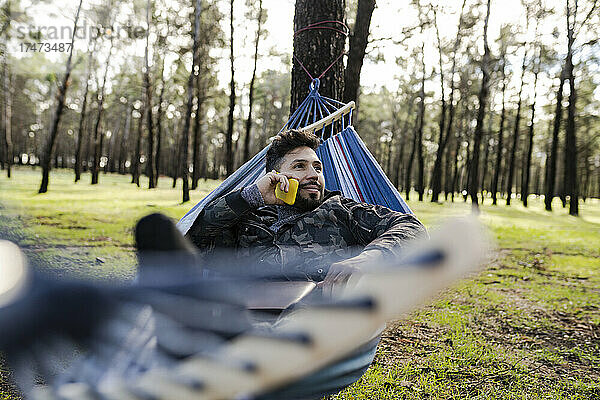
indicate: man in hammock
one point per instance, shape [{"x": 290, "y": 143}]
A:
[{"x": 323, "y": 237}]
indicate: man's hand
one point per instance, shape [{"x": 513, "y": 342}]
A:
[
  {"x": 340, "y": 272},
  {"x": 266, "y": 185}
]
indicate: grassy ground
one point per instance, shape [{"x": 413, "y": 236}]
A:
[
  {"x": 527, "y": 327},
  {"x": 91, "y": 225}
]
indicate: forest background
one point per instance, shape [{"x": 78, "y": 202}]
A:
[{"x": 121, "y": 101}]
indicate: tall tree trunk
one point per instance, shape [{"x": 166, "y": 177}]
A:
[
  {"x": 89, "y": 143},
  {"x": 451, "y": 106},
  {"x": 483, "y": 96},
  {"x": 229, "y": 161},
  {"x": 159, "y": 116},
  {"x": 60, "y": 104},
  {"x": 185, "y": 137},
  {"x": 174, "y": 162},
  {"x": 500, "y": 146},
  {"x": 454, "y": 182},
  {"x": 135, "y": 165},
  {"x": 99, "y": 136},
  {"x": 436, "y": 177},
  {"x": 527, "y": 170},
  {"x": 466, "y": 171},
  {"x": 486, "y": 143},
  {"x": 148, "y": 92},
  {"x": 124, "y": 143},
  {"x": 408, "y": 176},
  {"x": 80, "y": 130},
  {"x": 585, "y": 187},
  {"x": 570, "y": 171},
  {"x": 357, "y": 45},
  {"x": 400, "y": 146},
  {"x": 7, "y": 111},
  {"x": 316, "y": 49},
  {"x": 513, "y": 151},
  {"x": 391, "y": 174},
  {"x": 388, "y": 161},
  {"x": 251, "y": 94},
  {"x": 448, "y": 169},
  {"x": 116, "y": 132},
  {"x": 197, "y": 135},
  {"x": 421, "y": 118},
  {"x": 420, "y": 161}
]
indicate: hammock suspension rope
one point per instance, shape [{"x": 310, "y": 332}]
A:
[{"x": 338, "y": 27}]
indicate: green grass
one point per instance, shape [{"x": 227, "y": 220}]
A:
[
  {"x": 93, "y": 224},
  {"x": 527, "y": 327}
]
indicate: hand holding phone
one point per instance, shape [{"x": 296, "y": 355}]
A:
[
  {"x": 288, "y": 197},
  {"x": 271, "y": 185}
]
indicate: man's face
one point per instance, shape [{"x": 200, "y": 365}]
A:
[{"x": 303, "y": 164}]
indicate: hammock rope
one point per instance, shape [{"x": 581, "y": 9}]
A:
[{"x": 338, "y": 27}]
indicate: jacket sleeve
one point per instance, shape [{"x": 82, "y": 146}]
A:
[
  {"x": 216, "y": 223},
  {"x": 380, "y": 228}
]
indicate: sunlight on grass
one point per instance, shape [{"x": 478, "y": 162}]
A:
[{"x": 93, "y": 223}]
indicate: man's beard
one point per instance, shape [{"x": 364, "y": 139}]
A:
[{"x": 309, "y": 203}]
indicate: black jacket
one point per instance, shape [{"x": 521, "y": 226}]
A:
[{"x": 305, "y": 246}]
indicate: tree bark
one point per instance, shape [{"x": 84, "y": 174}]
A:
[
  {"x": 316, "y": 49},
  {"x": 420, "y": 161},
  {"x": 436, "y": 178},
  {"x": 135, "y": 165},
  {"x": 400, "y": 147},
  {"x": 60, "y": 104},
  {"x": 454, "y": 181},
  {"x": 527, "y": 170},
  {"x": 448, "y": 169},
  {"x": 421, "y": 123},
  {"x": 8, "y": 143},
  {"x": 483, "y": 96},
  {"x": 251, "y": 94},
  {"x": 500, "y": 146},
  {"x": 159, "y": 116},
  {"x": 98, "y": 136},
  {"x": 486, "y": 145},
  {"x": 229, "y": 157},
  {"x": 358, "y": 41},
  {"x": 148, "y": 93},
  {"x": 408, "y": 176},
  {"x": 570, "y": 171},
  {"x": 174, "y": 162},
  {"x": 466, "y": 170},
  {"x": 197, "y": 137},
  {"x": 124, "y": 145},
  {"x": 80, "y": 130},
  {"x": 513, "y": 151},
  {"x": 116, "y": 132},
  {"x": 553, "y": 155},
  {"x": 185, "y": 137}
]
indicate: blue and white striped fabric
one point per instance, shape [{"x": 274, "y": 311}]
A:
[{"x": 351, "y": 168}]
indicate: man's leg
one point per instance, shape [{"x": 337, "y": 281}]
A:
[{"x": 163, "y": 252}]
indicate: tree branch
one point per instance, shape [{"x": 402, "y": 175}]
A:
[{"x": 589, "y": 14}]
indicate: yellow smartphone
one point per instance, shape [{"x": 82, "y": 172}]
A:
[{"x": 290, "y": 196}]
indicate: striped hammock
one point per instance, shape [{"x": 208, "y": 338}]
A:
[{"x": 348, "y": 165}]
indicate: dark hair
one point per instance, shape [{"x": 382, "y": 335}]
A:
[{"x": 287, "y": 141}]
